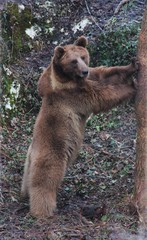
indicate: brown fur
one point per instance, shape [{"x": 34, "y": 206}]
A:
[{"x": 68, "y": 100}]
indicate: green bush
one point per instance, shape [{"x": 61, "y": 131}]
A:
[
  {"x": 115, "y": 47},
  {"x": 18, "y": 96}
]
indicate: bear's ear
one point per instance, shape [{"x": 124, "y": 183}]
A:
[
  {"x": 59, "y": 52},
  {"x": 81, "y": 41}
]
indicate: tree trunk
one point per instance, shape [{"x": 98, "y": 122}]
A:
[{"x": 141, "y": 115}]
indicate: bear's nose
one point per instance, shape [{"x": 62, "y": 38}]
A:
[{"x": 85, "y": 73}]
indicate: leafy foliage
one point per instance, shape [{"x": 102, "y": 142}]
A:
[
  {"x": 18, "y": 96},
  {"x": 116, "y": 46}
]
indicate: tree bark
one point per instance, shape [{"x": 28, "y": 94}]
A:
[{"x": 141, "y": 115}]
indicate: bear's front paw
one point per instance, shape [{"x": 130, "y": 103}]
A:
[{"x": 135, "y": 63}]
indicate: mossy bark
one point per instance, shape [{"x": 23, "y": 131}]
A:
[
  {"x": 14, "y": 24},
  {"x": 141, "y": 115}
]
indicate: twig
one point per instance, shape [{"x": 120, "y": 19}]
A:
[
  {"x": 122, "y": 2},
  {"x": 4, "y": 154},
  {"x": 92, "y": 16}
]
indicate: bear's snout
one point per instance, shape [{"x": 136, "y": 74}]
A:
[{"x": 85, "y": 73}]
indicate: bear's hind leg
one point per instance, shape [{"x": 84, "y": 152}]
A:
[
  {"x": 44, "y": 182},
  {"x": 42, "y": 202}
]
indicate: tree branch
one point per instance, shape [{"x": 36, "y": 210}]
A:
[
  {"x": 122, "y": 2},
  {"x": 92, "y": 16}
]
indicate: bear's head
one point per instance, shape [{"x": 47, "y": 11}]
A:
[{"x": 70, "y": 62}]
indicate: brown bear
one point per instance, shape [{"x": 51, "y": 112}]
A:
[
  {"x": 69, "y": 97},
  {"x": 46, "y": 84}
]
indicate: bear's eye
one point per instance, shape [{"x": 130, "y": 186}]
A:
[{"x": 74, "y": 61}]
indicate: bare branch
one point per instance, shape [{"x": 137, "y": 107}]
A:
[
  {"x": 92, "y": 16},
  {"x": 122, "y": 2}
]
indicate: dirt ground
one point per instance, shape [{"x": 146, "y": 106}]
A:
[{"x": 95, "y": 199}]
